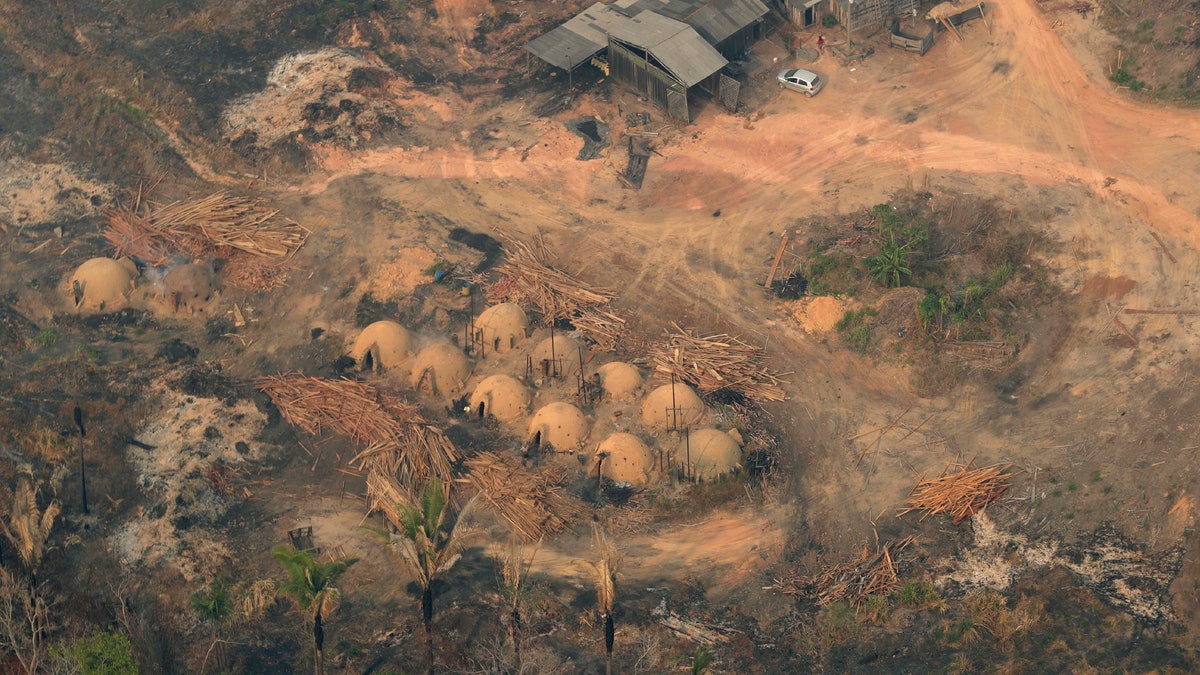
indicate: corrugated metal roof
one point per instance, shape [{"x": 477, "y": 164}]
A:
[
  {"x": 579, "y": 39},
  {"x": 715, "y": 20},
  {"x": 674, "y": 44}
]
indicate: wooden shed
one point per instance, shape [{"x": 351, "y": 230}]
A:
[
  {"x": 730, "y": 26},
  {"x": 663, "y": 49},
  {"x": 662, "y": 59},
  {"x": 869, "y": 14}
]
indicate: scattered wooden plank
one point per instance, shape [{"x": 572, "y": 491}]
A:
[{"x": 1164, "y": 312}]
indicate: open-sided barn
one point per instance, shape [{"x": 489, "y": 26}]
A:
[{"x": 663, "y": 49}]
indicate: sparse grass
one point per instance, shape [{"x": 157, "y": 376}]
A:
[
  {"x": 1056, "y": 493},
  {"x": 875, "y": 611},
  {"x": 918, "y": 595},
  {"x": 45, "y": 338},
  {"x": 1071, "y": 487},
  {"x": 854, "y": 328},
  {"x": 1108, "y": 488},
  {"x": 1096, "y": 476},
  {"x": 837, "y": 625}
]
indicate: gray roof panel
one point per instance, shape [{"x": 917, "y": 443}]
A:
[
  {"x": 577, "y": 40},
  {"x": 675, "y": 45},
  {"x": 715, "y": 20}
]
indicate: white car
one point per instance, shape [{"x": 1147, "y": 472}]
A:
[{"x": 804, "y": 81}]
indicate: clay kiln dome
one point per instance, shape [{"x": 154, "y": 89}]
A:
[
  {"x": 657, "y": 413},
  {"x": 502, "y": 326},
  {"x": 560, "y": 426},
  {"x": 381, "y": 346},
  {"x": 501, "y": 396},
  {"x": 620, "y": 380},
  {"x": 713, "y": 453},
  {"x": 189, "y": 285},
  {"x": 561, "y": 349},
  {"x": 628, "y": 459},
  {"x": 441, "y": 369},
  {"x": 103, "y": 283}
]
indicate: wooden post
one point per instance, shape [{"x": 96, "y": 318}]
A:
[{"x": 82, "y": 468}]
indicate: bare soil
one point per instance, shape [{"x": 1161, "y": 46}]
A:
[{"x": 431, "y": 118}]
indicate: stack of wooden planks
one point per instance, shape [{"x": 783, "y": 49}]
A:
[
  {"x": 716, "y": 362},
  {"x": 960, "y": 491}
]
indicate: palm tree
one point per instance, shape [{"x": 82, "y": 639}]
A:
[
  {"x": 28, "y": 528},
  {"x": 430, "y": 541},
  {"x": 514, "y": 584},
  {"x": 310, "y": 583},
  {"x": 606, "y": 567},
  {"x": 890, "y": 266},
  {"x": 213, "y": 606}
]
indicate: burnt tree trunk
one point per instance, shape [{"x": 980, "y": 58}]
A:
[
  {"x": 609, "y": 633},
  {"x": 427, "y": 617},
  {"x": 318, "y": 643}
]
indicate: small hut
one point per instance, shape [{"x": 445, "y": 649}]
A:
[
  {"x": 558, "y": 356},
  {"x": 620, "y": 380}
]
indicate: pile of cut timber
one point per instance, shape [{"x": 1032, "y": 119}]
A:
[
  {"x": 959, "y": 491},
  {"x": 398, "y": 440},
  {"x": 716, "y": 362},
  {"x": 253, "y": 237},
  {"x": 532, "y": 504},
  {"x": 853, "y": 582},
  {"x": 527, "y": 277}
]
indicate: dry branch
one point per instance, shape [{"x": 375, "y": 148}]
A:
[
  {"x": 527, "y": 277},
  {"x": 718, "y": 362},
  {"x": 533, "y": 505},
  {"x": 399, "y": 442},
  {"x": 853, "y": 582},
  {"x": 959, "y": 491}
]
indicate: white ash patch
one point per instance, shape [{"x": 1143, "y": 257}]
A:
[
  {"x": 1124, "y": 574},
  {"x": 35, "y": 195},
  {"x": 322, "y": 95},
  {"x": 190, "y": 436}
]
